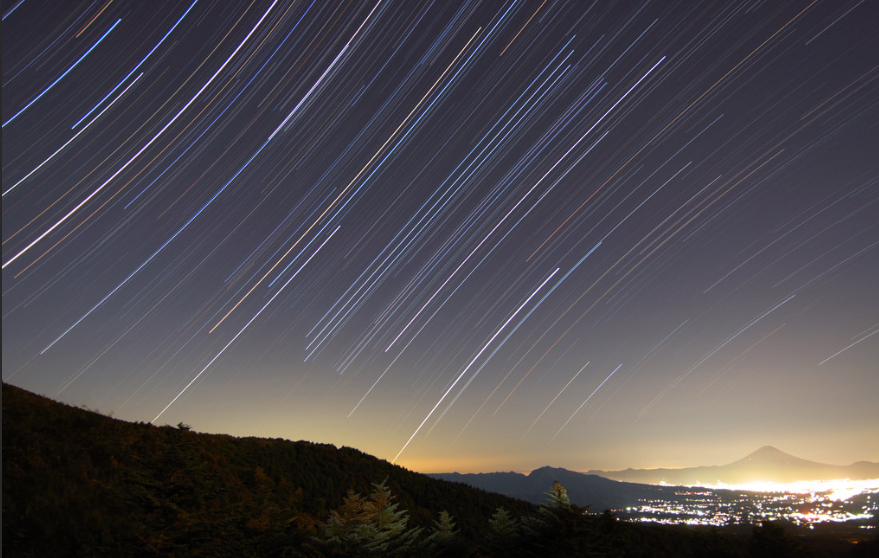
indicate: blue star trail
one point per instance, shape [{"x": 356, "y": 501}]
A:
[{"x": 456, "y": 235}]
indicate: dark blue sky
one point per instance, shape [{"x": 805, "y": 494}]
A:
[{"x": 466, "y": 236}]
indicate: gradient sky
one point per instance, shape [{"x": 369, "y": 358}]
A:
[{"x": 468, "y": 236}]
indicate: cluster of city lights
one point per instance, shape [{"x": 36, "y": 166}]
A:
[
  {"x": 837, "y": 490},
  {"x": 801, "y": 503}
]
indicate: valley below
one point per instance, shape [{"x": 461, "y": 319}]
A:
[{"x": 767, "y": 485}]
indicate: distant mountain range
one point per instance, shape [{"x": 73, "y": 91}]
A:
[
  {"x": 619, "y": 489},
  {"x": 583, "y": 489},
  {"x": 767, "y": 464},
  {"x": 77, "y": 483}
]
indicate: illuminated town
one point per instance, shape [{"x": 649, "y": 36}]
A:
[{"x": 851, "y": 502}]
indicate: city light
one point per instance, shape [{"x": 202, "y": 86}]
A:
[{"x": 801, "y": 503}]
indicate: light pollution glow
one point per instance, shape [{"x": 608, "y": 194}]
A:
[{"x": 837, "y": 490}]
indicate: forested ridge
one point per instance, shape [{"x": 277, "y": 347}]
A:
[{"x": 78, "y": 483}]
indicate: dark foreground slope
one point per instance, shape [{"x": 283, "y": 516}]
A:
[
  {"x": 79, "y": 483},
  {"x": 76, "y": 483}
]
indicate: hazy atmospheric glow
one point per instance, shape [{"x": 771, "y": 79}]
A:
[
  {"x": 469, "y": 236},
  {"x": 837, "y": 490}
]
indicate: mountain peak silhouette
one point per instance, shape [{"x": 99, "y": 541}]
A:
[
  {"x": 767, "y": 464},
  {"x": 773, "y": 457},
  {"x": 770, "y": 452}
]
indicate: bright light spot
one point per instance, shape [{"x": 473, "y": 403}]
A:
[{"x": 838, "y": 489}]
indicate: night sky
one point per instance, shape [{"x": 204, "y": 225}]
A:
[{"x": 468, "y": 236}]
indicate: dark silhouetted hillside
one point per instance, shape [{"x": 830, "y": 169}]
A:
[{"x": 77, "y": 483}]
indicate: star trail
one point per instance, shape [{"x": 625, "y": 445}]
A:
[{"x": 469, "y": 236}]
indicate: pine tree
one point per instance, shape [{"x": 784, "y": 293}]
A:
[
  {"x": 558, "y": 496},
  {"x": 502, "y": 524},
  {"x": 560, "y": 528},
  {"x": 444, "y": 528},
  {"x": 344, "y": 525},
  {"x": 444, "y": 539},
  {"x": 504, "y": 533},
  {"x": 370, "y": 527},
  {"x": 388, "y": 534}
]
